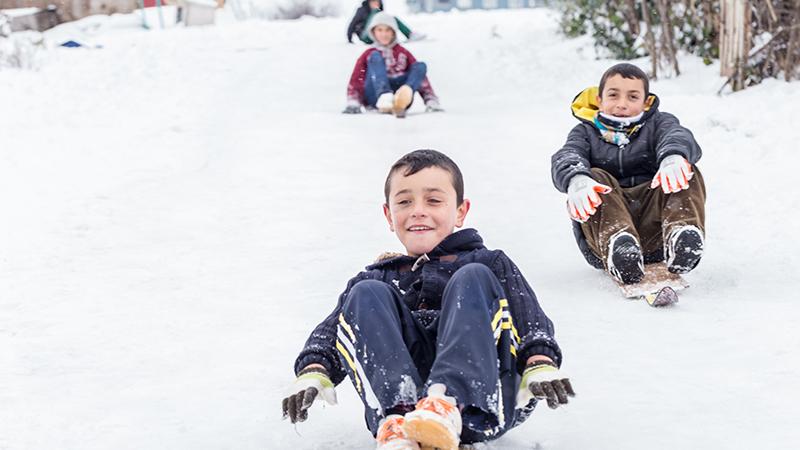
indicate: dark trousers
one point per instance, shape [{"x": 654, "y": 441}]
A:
[
  {"x": 377, "y": 81},
  {"x": 648, "y": 214},
  {"x": 391, "y": 357}
]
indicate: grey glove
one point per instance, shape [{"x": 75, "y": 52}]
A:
[
  {"x": 542, "y": 380},
  {"x": 311, "y": 383},
  {"x": 352, "y": 109}
]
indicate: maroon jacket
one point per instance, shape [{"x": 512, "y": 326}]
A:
[{"x": 398, "y": 61}]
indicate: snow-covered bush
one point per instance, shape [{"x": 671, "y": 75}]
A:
[{"x": 21, "y": 50}]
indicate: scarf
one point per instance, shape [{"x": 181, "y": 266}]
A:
[{"x": 618, "y": 130}]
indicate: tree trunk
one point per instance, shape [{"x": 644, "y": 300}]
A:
[
  {"x": 651, "y": 40},
  {"x": 667, "y": 35},
  {"x": 734, "y": 42}
]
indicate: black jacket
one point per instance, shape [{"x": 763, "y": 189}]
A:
[
  {"x": 422, "y": 289},
  {"x": 359, "y": 20},
  {"x": 636, "y": 163}
]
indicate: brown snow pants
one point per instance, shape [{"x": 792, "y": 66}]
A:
[{"x": 646, "y": 213}]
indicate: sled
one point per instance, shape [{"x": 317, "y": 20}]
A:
[{"x": 658, "y": 288}]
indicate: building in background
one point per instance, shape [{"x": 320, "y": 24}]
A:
[{"x": 447, "y": 5}]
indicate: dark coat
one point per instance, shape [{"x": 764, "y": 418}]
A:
[
  {"x": 359, "y": 21},
  {"x": 636, "y": 163},
  {"x": 421, "y": 289}
]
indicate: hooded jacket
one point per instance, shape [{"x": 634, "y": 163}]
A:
[
  {"x": 421, "y": 289},
  {"x": 661, "y": 135}
]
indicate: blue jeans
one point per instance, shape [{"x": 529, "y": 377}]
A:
[
  {"x": 378, "y": 82},
  {"x": 392, "y": 357}
]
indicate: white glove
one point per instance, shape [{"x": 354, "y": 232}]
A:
[
  {"x": 673, "y": 174},
  {"x": 583, "y": 197}
]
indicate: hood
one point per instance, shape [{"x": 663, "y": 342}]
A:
[
  {"x": 464, "y": 240},
  {"x": 585, "y": 106},
  {"x": 383, "y": 18}
]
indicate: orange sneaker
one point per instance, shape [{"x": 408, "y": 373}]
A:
[
  {"x": 391, "y": 435},
  {"x": 402, "y": 98},
  {"x": 436, "y": 422}
]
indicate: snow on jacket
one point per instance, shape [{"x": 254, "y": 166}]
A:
[
  {"x": 637, "y": 162},
  {"x": 421, "y": 290},
  {"x": 398, "y": 61}
]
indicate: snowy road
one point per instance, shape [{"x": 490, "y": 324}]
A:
[{"x": 181, "y": 207}]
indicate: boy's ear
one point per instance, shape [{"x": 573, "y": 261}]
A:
[
  {"x": 598, "y": 99},
  {"x": 388, "y": 214},
  {"x": 461, "y": 213}
]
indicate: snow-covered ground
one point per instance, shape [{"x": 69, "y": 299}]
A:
[{"x": 182, "y": 206}]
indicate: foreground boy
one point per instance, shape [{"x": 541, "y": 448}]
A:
[
  {"x": 387, "y": 75},
  {"x": 632, "y": 185},
  {"x": 446, "y": 344}
]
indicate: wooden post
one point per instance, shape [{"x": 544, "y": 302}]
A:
[{"x": 735, "y": 40}]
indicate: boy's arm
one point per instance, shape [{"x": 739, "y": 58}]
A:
[
  {"x": 320, "y": 347},
  {"x": 355, "y": 88},
  {"x": 674, "y": 139},
  {"x": 358, "y": 17},
  {"x": 535, "y": 329},
  {"x": 403, "y": 28},
  {"x": 573, "y": 159}
]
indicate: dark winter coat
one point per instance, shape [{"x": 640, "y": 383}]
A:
[
  {"x": 636, "y": 163},
  {"x": 359, "y": 21},
  {"x": 633, "y": 164},
  {"x": 421, "y": 288}
]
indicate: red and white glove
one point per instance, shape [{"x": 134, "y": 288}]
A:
[
  {"x": 583, "y": 197},
  {"x": 673, "y": 174}
]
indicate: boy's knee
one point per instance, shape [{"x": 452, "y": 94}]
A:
[
  {"x": 421, "y": 65},
  {"x": 601, "y": 176},
  {"x": 367, "y": 291},
  {"x": 473, "y": 271}
]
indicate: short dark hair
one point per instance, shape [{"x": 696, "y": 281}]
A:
[
  {"x": 422, "y": 159},
  {"x": 626, "y": 71}
]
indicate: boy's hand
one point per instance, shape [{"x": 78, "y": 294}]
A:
[
  {"x": 543, "y": 381},
  {"x": 583, "y": 197},
  {"x": 673, "y": 174},
  {"x": 352, "y": 109},
  {"x": 312, "y": 382}
]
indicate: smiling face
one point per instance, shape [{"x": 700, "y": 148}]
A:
[
  {"x": 622, "y": 97},
  {"x": 423, "y": 209},
  {"x": 383, "y": 34}
]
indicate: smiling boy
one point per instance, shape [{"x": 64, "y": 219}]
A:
[
  {"x": 446, "y": 344},
  {"x": 629, "y": 171}
]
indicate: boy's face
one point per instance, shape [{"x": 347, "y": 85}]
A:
[
  {"x": 422, "y": 208},
  {"x": 622, "y": 97},
  {"x": 374, "y": 4},
  {"x": 383, "y": 34}
]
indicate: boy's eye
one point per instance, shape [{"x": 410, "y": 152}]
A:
[
  {"x": 434, "y": 200},
  {"x": 403, "y": 202}
]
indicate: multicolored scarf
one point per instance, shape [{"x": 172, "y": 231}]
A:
[{"x": 618, "y": 130}]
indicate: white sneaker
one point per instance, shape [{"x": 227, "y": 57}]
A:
[
  {"x": 385, "y": 102},
  {"x": 391, "y": 435}
]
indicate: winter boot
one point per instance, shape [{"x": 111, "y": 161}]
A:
[
  {"x": 683, "y": 249},
  {"x": 625, "y": 261},
  {"x": 391, "y": 435},
  {"x": 402, "y": 98},
  {"x": 385, "y": 102},
  {"x": 436, "y": 421}
]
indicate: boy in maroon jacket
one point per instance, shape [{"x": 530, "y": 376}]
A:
[{"x": 387, "y": 75}]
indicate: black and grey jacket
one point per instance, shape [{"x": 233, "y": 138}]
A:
[{"x": 421, "y": 287}]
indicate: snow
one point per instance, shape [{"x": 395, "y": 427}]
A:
[{"x": 182, "y": 207}]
